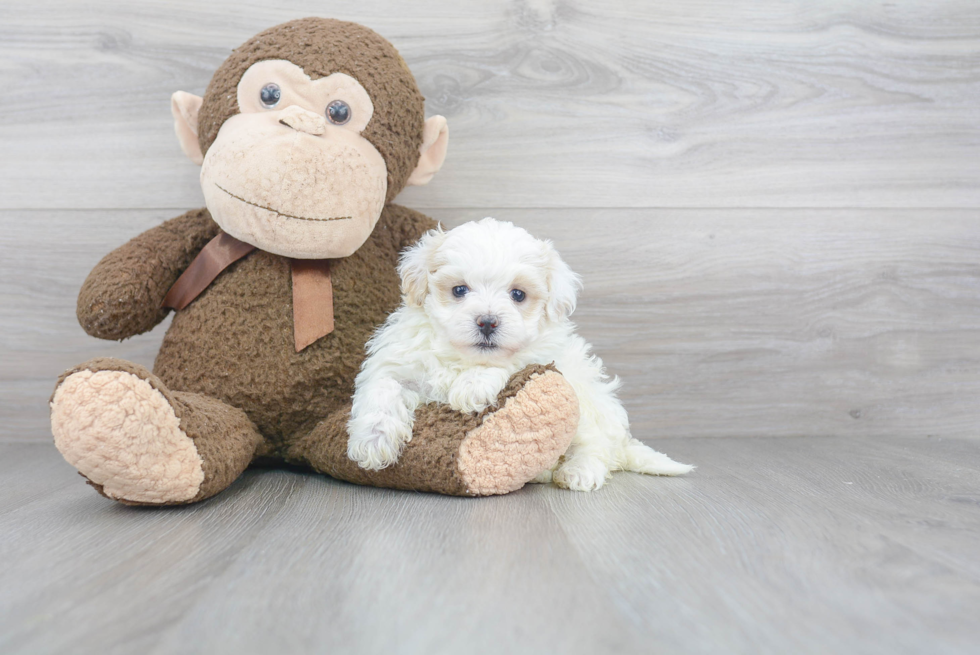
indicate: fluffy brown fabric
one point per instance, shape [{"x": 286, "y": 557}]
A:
[
  {"x": 322, "y": 46},
  {"x": 122, "y": 295},
  {"x": 224, "y": 436},
  {"x": 235, "y": 341},
  {"x": 428, "y": 462}
]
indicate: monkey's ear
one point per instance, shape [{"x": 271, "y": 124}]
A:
[
  {"x": 184, "y": 107},
  {"x": 415, "y": 264},
  {"x": 435, "y": 140}
]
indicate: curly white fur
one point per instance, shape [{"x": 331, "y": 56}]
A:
[{"x": 433, "y": 349}]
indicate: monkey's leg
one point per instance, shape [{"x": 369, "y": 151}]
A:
[
  {"x": 140, "y": 443},
  {"x": 463, "y": 454}
]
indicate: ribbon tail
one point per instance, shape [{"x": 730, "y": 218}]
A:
[{"x": 312, "y": 301}]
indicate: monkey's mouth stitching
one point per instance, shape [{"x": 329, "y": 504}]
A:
[{"x": 276, "y": 211}]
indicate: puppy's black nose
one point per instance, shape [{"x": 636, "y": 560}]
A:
[{"x": 487, "y": 324}]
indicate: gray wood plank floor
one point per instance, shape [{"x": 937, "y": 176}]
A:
[{"x": 809, "y": 545}]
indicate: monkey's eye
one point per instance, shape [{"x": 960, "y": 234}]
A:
[
  {"x": 269, "y": 95},
  {"x": 460, "y": 291},
  {"x": 517, "y": 295},
  {"x": 338, "y": 112}
]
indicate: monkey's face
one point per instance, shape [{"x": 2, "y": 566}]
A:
[
  {"x": 291, "y": 173},
  {"x": 303, "y": 135}
]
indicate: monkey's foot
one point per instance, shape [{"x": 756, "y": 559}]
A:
[
  {"x": 522, "y": 439},
  {"x": 122, "y": 434}
]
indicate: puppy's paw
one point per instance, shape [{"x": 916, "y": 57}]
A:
[
  {"x": 583, "y": 473},
  {"x": 374, "y": 451},
  {"x": 476, "y": 389},
  {"x": 376, "y": 442}
]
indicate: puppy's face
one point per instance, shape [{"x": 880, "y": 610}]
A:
[{"x": 489, "y": 288}]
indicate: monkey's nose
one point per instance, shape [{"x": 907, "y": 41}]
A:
[
  {"x": 303, "y": 120},
  {"x": 487, "y": 324}
]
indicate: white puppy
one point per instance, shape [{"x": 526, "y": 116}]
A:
[{"x": 481, "y": 302}]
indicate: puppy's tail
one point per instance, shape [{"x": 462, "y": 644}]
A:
[{"x": 644, "y": 459}]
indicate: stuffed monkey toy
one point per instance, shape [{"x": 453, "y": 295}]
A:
[{"x": 305, "y": 135}]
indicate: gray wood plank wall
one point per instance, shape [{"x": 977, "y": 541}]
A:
[{"x": 774, "y": 205}]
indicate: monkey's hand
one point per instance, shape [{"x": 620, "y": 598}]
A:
[{"x": 121, "y": 297}]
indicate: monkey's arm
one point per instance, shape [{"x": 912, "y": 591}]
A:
[{"x": 121, "y": 296}]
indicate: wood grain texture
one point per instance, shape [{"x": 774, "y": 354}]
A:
[
  {"x": 552, "y": 103},
  {"x": 720, "y": 322},
  {"x": 809, "y": 545}
]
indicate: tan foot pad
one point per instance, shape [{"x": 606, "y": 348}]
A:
[
  {"x": 122, "y": 434},
  {"x": 522, "y": 439}
]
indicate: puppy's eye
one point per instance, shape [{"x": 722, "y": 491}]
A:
[
  {"x": 269, "y": 95},
  {"x": 461, "y": 290},
  {"x": 517, "y": 295}
]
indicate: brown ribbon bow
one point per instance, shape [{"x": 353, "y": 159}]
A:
[{"x": 312, "y": 289}]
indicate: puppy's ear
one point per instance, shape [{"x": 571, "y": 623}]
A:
[
  {"x": 563, "y": 287},
  {"x": 415, "y": 264}
]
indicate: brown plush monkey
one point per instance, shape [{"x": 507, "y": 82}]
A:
[{"x": 305, "y": 135}]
